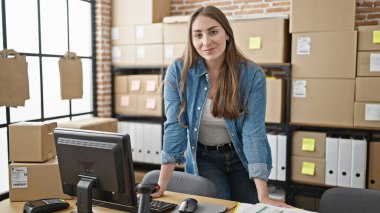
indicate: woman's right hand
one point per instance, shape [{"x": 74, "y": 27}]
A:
[
  {"x": 163, "y": 181},
  {"x": 159, "y": 193}
]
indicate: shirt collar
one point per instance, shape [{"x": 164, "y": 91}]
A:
[{"x": 199, "y": 69}]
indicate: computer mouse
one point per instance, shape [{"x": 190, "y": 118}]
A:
[{"x": 188, "y": 205}]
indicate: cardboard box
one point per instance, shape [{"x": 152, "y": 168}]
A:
[
  {"x": 131, "y": 12},
  {"x": 367, "y": 114},
  {"x": 323, "y": 102},
  {"x": 31, "y": 141},
  {"x": 149, "y": 33},
  {"x": 322, "y": 15},
  {"x": 369, "y": 38},
  {"x": 123, "y": 35},
  {"x": 308, "y": 170},
  {"x": 150, "y": 105},
  {"x": 306, "y": 203},
  {"x": 172, "y": 52},
  {"x": 324, "y": 55},
  {"x": 31, "y": 181},
  {"x": 367, "y": 89},
  {"x": 309, "y": 144},
  {"x": 275, "y": 100},
  {"x": 124, "y": 55},
  {"x": 374, "y": 168},
  {"x": 135, "y": 84},
  {"x": 151, "y": 84},
  {"x": 126, "y": 104},
  {"x": 94, "y": 123},
  {"x": 121, "y": 84},
  {"x": 176, "y": 29},
  {"x": 149, "y": 55},
  {"x": 368, "y": 64},
  {"x": 263, "y": 40}
]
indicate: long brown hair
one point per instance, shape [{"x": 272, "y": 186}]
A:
[{"x": 226, "y": 99}]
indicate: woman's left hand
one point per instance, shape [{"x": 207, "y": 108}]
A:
[{"x": 272, "y": 202}]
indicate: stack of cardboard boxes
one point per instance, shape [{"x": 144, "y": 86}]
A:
[
  {"x": 323, "y": 62},
  {"x": 175, "y": 37},
  {"x": 33, "y": 171},
  {"x": 138, "y": 95},
  {"x": 367, "y": 97}
]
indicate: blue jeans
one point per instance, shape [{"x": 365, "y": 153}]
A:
[{"x": 228, "y": 174}]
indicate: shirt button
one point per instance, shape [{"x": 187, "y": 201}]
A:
[
  {"x": 195, "y": 129},
  {"x": 198, "y": 108},
  {"x": 232, "y": 134},
  {"x": 193, "y": 147},
  {"x": 205, "y": 88}
]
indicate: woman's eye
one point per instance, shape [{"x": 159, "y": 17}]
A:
[
  {"x": 213, "y": 32},
  {"x": 198, "y": 35}
]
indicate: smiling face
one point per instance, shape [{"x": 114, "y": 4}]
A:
[{"x": 209, "y": 39}]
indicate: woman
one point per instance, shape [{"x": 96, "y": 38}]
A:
[{"x": 215, "y": 109}]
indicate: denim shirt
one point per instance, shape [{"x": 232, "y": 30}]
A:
[{"x": 248, "y": 133}]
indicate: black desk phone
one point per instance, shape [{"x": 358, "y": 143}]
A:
[{"x": 45, "y": 205}]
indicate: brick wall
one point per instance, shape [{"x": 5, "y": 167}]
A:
[{"x": 367, "y": 13}]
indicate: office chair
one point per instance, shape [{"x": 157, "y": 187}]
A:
[
  {"x": 184, "y": 183},
  {"x": 350, "y": 200}
]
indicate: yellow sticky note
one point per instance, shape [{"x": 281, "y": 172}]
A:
[
  {"x": 308, "y": 144},
  {"x": 254, "y": 43},
  {"x": 270, "y": 78},
  {"x": 308, "y": 168},
  {"x": 376, "y": 37}
]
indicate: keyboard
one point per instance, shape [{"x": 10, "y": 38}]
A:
[{"x": 158, "y": 206}]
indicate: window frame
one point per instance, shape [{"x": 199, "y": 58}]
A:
[{"x": 40, "y": 56}]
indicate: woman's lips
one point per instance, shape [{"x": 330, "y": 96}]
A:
[{"x": 208, "y": 50}]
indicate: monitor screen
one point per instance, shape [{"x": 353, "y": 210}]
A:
[{"x": 97, "y": 168}]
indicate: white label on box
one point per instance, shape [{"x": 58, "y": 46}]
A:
[
  {"x": 135, "y": 85},
  {"x": 303, "y": 45},
  {"x": 115, "y": 33},
  {"x": 372, "y": 112},
  {"x": 299, "y": 88},
  {"x": 19, "y": 177},
  {"x": 116, "y": 54},
  {"x": 124, "y": 100},
  {"x": 140, "y": 51},
  {"x": 140, "y": 32},
  {"x": 150, "y": 85},
  {"x": 150, "y": 103},
  {"x": 169, "y": 51},
  {"x": 374, "y": 64}
]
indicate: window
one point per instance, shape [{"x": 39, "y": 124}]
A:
[{"x": 44, "y": 30}]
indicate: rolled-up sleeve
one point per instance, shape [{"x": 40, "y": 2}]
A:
[
  {"x": 175, "y": 135},
  {"x": 255, "y": 142}
]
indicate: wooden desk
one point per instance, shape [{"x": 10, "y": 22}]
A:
[{"x": 173, "y": 197}]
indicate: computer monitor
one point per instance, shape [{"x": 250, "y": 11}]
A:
[{"x": 97, "y": 168}]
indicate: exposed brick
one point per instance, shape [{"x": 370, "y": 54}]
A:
[
  {"x": 366, "y": 23},
  {"x": 259, "y": 5},
  {"x": 367, "y": 10},
  {"x": 281, "y": 4},
  {"x": 246, "y": 1},
  {"x": 376, "y": 3},
  {"x": 279, "y": 9},
  {"x": 364, "y": 4},
  {"x": 373, "y": 16},
  {"x": 360, "y": 17},
  {"x": 248, "y": 12}
]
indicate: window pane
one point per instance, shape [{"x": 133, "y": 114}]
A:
[
  {"x": 3, "y": 161},
  {"x": 60, "y": 120},
  {"x": 80, "y": 27},
  {"x": 54, "y": 26},
  {"x": 22, "y": 25},
  {"x": 85, "y": 104},
  {"x": 53, "y": 104},
  {"x": 3, "y": 115},
  {"x": 32, "y": 108}
]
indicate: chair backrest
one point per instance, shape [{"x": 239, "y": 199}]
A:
[
  {"x": 184, "y": 183},
  {"x": 350, "y": 200}
]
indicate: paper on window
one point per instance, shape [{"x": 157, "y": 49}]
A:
[
  {"x": 374, "y": 62},
  {"x": 140, "y": 51},
  {"x": 299, "y": 88},
  {"x": 135, "y": 85},
  {"x": 124, "y": 100},
  {"x": 372, "y": 112},
  {"x": 150, "y": 85},
  {"x": 19, "y": 177},
  {"x": 115, "y": 33},
  {"x": 303, "y": 45},
  {"x": 150, "y": 103},
  {"x": 140, "y": 32},
  {"x": 169, "y": 51},
  {"x": 116, "y": 54}
]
